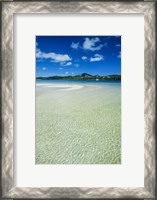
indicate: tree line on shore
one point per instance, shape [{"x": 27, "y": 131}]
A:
[{"x": 83, "y": 76}]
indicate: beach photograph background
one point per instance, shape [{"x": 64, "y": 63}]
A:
[{"x": 78, "y": 100}]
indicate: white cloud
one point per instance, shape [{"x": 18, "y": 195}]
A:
[
  {"x": 44, "y": 68},
  {"x": 60, "y": 68},
  {"x": 54, "y": 57},
  {"x": 90, "y": 44},
  {"x": 66, "y": 64},
  {"x": 58, "y": 57},
  {"x": 84, "y": 58},
  {"x": 66, "y": 72},
  {"x": 75, "y": 45},
  {"x": 96, "y": 58}
]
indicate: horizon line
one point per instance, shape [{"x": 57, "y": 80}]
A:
[{"x": 78, "y": 75}]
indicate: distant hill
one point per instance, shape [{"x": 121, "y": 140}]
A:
[{"x": 83, "y": 76}]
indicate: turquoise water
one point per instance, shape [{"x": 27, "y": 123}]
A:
[{"x": 78, "y": 122}]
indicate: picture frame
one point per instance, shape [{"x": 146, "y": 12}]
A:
[{"x": 8, "y": 9}]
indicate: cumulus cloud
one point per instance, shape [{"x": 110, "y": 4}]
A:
[
  {"x": 75, "y": 45},
  {"x": 54, "y": 57},
  {"x": 66, "y": 64},
  {"x": 84, "y": 58},
  {"x": 44, "y": 68},
  {"x": 96, "y": 58},
  {"x": 62, "y": 59},
  {"x": 91, "y": 44}
]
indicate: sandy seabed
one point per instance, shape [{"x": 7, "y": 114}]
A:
[{"x": 78, "y": 123}]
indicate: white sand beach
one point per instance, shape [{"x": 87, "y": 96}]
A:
[{"x": 65, "y": 86}]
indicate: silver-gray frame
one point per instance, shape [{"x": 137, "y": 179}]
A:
[{"x": 8, "y": 10}]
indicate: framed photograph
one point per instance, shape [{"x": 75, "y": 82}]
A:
[
  {"x": 78, "y": 99},
  {"x": 77, "y": 130}
]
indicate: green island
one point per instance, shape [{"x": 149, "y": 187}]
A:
[{"x": 83, "y": 76}]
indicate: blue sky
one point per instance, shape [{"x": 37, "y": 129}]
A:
[{"x": 72, "y": 55}]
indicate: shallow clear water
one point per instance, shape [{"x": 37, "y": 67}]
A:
[{"x": 78, "y": 122}]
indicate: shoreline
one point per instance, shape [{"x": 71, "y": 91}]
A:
[{"x": 65, "y": 87}]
